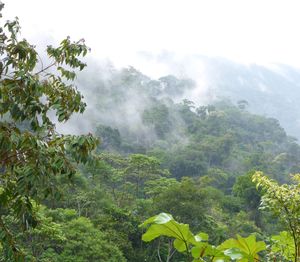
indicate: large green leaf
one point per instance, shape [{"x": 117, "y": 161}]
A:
[
  {"x": 165, "y": 225},
  {"x": 158, "y": 219},
  {"x": 201, "y": 237},
  {"x": 243, "y": 248}
]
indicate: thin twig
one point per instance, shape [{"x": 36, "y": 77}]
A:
[{"x": 46, "y": 68}]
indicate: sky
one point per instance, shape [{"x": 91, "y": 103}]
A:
[{"x": 132, "y": 31}]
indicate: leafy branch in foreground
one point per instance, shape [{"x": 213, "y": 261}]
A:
[
  {"x": 284, "y": 202},
  {"x": 32, "y": 153}
]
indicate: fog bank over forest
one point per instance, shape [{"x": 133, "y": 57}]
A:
[
  {"x": 172, "y": 44},
  {"x": 271, "y": 90}
]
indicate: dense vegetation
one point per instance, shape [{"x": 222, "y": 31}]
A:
[{"x": 59, "y": 201}]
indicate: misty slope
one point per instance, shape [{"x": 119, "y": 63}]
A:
[
  {"x": 132, "y": 113},
  {"x": 272, "y": 91}
]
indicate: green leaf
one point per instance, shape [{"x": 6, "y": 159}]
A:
[
  {"x": 201, "y": 237},
  {"x": 162, "y": 218},
  {"x": 164, "y": 225},
  {"x": 248, "y": 247},
  {"x": 234, "y": 253},
  {"x": 283, "y": 244}
]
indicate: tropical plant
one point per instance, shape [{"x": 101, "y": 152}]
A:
[{"x": 196, "y": 247}]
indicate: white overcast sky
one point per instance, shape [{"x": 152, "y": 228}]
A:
[{"x": 259, "y": 31}]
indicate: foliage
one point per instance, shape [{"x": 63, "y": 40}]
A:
[
  {"x": 196, "y": 246},
  {"x": 158, "y": 117},
  {"x": 190, "y": 204},
  {"x": 110, "y": 138},
  {"x": 86, "y": 243},
  {"x": 32, "y": 159},
  {"x": 243, "y": 249},
  {"x": 63, "y": 236},
  {"x": 283, "y": 244},
  {"x": 283, "y": 201}
]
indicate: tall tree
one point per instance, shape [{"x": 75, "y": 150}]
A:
[{"x": 32, "y": 158}]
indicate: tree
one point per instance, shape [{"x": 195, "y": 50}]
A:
[
  {"x": 283, "y": 201},
  {"x": 159, "y": 117},
  {"x": 110, "y": 137},
  {"x": 191, "y": 204},
  {"x": 242, "y": 104},
  {"x": 65, "y": 236},
  {"x": 87, "y": 243},
  {"x": 140, "y": 169},
  {"x": 32, "y": 158},
  {"x": 245, "y": 189}
]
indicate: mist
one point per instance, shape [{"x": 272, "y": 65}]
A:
[
  {"x": 271, "y": 90},
  {"x": 217, "y": 45}
]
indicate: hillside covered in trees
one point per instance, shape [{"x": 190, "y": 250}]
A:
[{"x": 148, "y": 151}]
